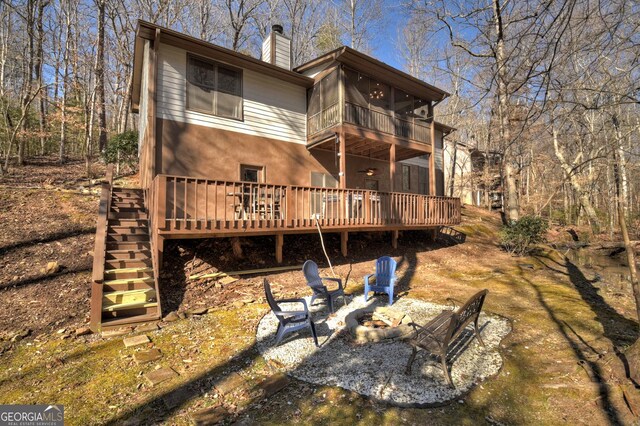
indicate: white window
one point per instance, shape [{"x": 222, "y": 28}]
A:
[
  {"x": 251, "y": 173},
  {"x": 214, "y": 88}
]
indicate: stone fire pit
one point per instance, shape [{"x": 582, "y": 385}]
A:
[
  {"x": 376, "y": 368},
  {"x": 362, "y": 333}
]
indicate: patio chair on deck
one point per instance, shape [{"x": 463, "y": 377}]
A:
[
  {"x": 385, "y": 278},
  {"x": 289, "y": 321},
  {"x": 311, "y": 274}
]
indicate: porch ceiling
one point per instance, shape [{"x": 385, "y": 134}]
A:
[{"x": 364, "y": 147}]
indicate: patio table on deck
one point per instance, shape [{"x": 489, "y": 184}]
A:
[{"x": 252, "y": 202}]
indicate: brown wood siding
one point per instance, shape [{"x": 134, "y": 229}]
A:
[{"x": 205, "y": 152}]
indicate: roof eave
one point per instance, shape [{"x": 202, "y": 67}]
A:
[{"x": 147, "y": 30}]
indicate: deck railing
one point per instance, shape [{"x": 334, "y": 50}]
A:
[
  {"x": 368, "y": 118},
  {"x": 186, "y": 203},
  {"x": 324, "y": 119},
  {"x": 385, "y": 123}
]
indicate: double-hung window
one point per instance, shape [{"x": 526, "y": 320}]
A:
[{"x": 214, "y": 88}]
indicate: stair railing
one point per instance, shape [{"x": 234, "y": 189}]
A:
[
  {"x": 151, "y": 204},
  {"x": 100, "y": 249}
]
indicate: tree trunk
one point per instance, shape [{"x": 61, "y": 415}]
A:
[
  {"x": 452, "y": 174},
  {"x": 102, "y": 114},
  {"x": 126, "y": 103},
  {"x": 576, "y": 185},
  {"x": 28, "y": 80},
  {"x": 89, "y": 133},
  {"x": 512, "y": 208},
  {"x": 622, "y": 220},
  {"x": 65, "y": 92},
  {"x": 38, "y": 75}
]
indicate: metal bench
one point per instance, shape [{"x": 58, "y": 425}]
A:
[{"x": 438, "y": 335}]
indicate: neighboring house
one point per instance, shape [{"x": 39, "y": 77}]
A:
[
  {"x": 458, "y": 171},
  {"x": 235, "y": 146},
  {"x": 487, "y": 178}
]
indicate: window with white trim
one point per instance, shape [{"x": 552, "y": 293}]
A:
[{"x": 214, "y": 88}]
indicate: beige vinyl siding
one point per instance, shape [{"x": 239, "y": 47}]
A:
[
  {"x": 272, "y": 108},
  {"x": 266, "y": 49},
  {"x": 143, "y": 110},
  {"x": 283, "y": 51}
]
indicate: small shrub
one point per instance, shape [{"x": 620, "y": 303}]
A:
[
  {"x": 122, "y": 150},
  {"x": 519, "y": 237}
]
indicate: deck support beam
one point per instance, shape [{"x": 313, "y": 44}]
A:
[
  {"x": 279, "y": 244},
  {"x": 344, "y": 238},
  {"x": 394, "y": 238}
]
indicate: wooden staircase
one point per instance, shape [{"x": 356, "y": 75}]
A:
[{"x": 125, "y": 289}]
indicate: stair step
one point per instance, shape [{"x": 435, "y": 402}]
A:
[
  {"x": 127, "y": 306},
  {"x": 127, "y": 230},
  {"x": 127, "y": 297},
  {"x": 116, "y": 209},
  {"x": 128, "y": 286},
  {"x": 112, "y": 264},
  {"x": 116, "y": 254},
  {"x": 128, "y": 237},
  {"x": 128, "y": 245},
  {"x": 131, "y": 223},
  {"x": 117, "y": 215},
  {"x": 120, "y": 190},
  {"x": 108, "y": 323},
  {"x": 126, "y": 197},
  {"x": 128, "y": 273},
  {"x": 128, "y": 204},
  {"x": 128, "y": 270},
  {"x": 147, "y": 280}
]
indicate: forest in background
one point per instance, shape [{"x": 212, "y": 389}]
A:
[{"x": 552, "y": 87}]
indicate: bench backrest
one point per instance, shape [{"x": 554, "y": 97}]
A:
[{"x": 465, "y": 315}]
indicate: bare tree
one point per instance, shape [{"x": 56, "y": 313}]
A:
[
  {"x": 99, "y": 72},
  {"x": 360, "y": 19}
]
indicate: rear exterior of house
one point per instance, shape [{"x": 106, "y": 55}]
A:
[{"x": 234, "y": 146}]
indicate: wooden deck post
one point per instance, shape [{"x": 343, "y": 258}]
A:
[
  {"x": 279, "y": 244},
  {"x": 343, "y": 161},
  {"x": 159, "y": 250},
  {"x": 289, "y": 211},
  {"x": 432, "y": 159},
  {"x": 366, "y": 203},
  {"x": 344, "y": 238},
  {"x": 394, "y": 239},
  {"x": 392, "y": 166}
]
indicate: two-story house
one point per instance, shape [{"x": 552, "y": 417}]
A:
[{"x": 235, "y": 146}]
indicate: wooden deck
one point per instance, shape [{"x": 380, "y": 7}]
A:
[{"x": 187, "y": 207}]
